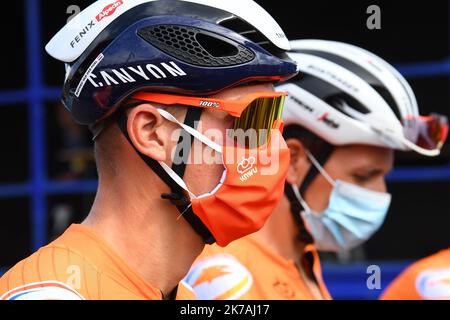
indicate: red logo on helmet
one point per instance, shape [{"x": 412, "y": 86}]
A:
[
  {"x": 109, "y": 10},
  {"x": 325, "y": 118}
]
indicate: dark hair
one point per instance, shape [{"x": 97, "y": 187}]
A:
[{"x": 310, "y": 141}]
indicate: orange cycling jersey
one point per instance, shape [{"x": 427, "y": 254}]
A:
[
  {"x": 248, "y": 270},
  {"x": 427, "y": 279},
  {"x": 78, "y": 265}
]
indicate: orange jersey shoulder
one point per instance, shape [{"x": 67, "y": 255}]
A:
[
  {"x": 78, "y": 265},
  {"x": 427, "y": 279},
  {"x": 50, "y": 273}
]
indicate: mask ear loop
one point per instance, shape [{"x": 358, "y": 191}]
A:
[
  {"x": 180, "y": 182},
  {"x": 299, "y": 197},
  {"x": 322, "y": 171},
  {"x": 320, "y": 168},
  {"x": 323, "y": 152},
  {"x": 166, "y": 115},
  {"x": 176, "y": 178}
]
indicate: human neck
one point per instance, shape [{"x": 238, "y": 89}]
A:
[
  {"x": 280, "y": 233},
  {"x": 145, "y": 232}
]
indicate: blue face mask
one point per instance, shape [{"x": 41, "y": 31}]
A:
[{"x": 353, "y": 215}]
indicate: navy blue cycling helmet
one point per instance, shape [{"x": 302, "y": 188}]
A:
[{"x": 113, "y": 49}]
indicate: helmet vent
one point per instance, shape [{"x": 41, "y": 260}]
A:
[
  {"x": 342, "y": 99},
  {"x": 216, "y": 47},
  {"x": 195, "y": 46},
  {"x": 248, "y": 31}
]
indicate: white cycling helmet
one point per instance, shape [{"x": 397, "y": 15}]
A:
[{"x": 347, "y": 95}]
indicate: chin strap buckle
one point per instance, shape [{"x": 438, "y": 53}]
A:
[{"x": 177, "y": 199}]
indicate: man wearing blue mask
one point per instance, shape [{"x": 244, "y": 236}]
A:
[{"x": 345, "y": 115}]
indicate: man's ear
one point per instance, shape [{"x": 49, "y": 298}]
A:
[
  {"x": 300, "y": 163},
  {"x": 144, "y": 129}
]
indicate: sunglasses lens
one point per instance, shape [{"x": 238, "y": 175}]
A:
[
  {"x": 253, "y": 128},
  {"x": 427, "y": 132}
]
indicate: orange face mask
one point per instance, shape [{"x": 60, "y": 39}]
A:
[
  {"x": 246, "y": 195},
  {"x": 253, "y": 180},
  {"x": 249, "y": 189}
]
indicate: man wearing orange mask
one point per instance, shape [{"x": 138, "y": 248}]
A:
[
  {"x": 154, "y": 79},
  {"x": 346, "y": 113}
]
